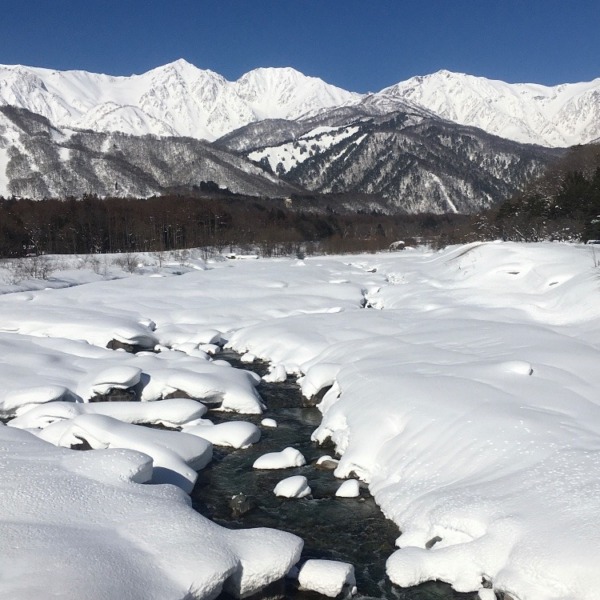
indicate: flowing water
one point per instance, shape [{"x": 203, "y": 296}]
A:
[{"x": 347, "y": 529}]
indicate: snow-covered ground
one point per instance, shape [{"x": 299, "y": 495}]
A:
[{"x": 464, "y": 391}]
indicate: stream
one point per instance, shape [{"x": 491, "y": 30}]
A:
[{"x": 351, "y": 530}]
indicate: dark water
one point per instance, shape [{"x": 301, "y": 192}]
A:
[{"x": 347, "y": 529}]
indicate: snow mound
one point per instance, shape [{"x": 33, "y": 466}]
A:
[
  {"x": 234, "y": 434},
  {"x": 174, "y": 412},
  {"x": 293, "y": 487},
  {"x": 120, "y": 378},
  {"x": 74, "y": 370},
  {"x": 175, "y": 456},
  {"x": 327, "y": 577},
  {"x": 348, "y": 489},
  {"x": 286, "y": 459}
]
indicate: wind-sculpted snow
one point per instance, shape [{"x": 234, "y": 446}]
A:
[{"x": 464, "y": 393}]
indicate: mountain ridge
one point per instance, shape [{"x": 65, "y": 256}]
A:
[
  {"x": 174, "y": 99},
  {"x": 180, "y": 99},
  {"x": 555, "y": 116}
]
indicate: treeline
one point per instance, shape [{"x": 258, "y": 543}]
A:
[
  {"x": 562, "y": 205},
  {"x": 112, "y": 225}
]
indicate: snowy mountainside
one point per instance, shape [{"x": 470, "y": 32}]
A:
[
  {"x": 38, "y": 160},
  {"x": 403, "y": 161},
  {"x": 558, "y": 116},
  {"x": 414, "y": 162},
  {"x": 272, "y": 132},
  {"x": 283, "y": 158},
  {"x": 177, "y": 99}
]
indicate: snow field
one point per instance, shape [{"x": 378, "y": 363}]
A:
[
  {"x": 467, "y": 402},
  {"x": 466, "y": 398}
]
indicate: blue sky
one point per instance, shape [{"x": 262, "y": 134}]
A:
[{"x": 358, "y": 45}]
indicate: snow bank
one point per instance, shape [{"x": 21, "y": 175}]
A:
[
  {"x": 286, "y": 459},
  {"x": 79, "y": 524},
  {"x": 175, "y": 456},
  {"x": 173, "y": 413},
  {"x": 467, "y": 402}
]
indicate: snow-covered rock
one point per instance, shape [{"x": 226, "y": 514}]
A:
[
  {"x": 348, "y": 489},
  {"x": 174, "y": 412},
  {"x": 276, "y": 374},
  {"x": 293, "y": 487},
  {"x": 327, "y": 577},
  {"x": 68, "y": 369},
  {"x": 235, "y": 434},
  {"x": 286, "y": 459},
  {"x": 327, "y": 462}
]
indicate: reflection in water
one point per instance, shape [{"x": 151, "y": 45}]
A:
[{"x": 348, "y": 529}]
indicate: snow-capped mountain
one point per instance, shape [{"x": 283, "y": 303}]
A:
[
  {"x": 177, "y": 99},
  {"x": 559, "y": 116},
  {"x": 415, "y": 146}
]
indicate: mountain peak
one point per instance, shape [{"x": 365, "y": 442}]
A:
[{"x": 182, "y": 98}]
